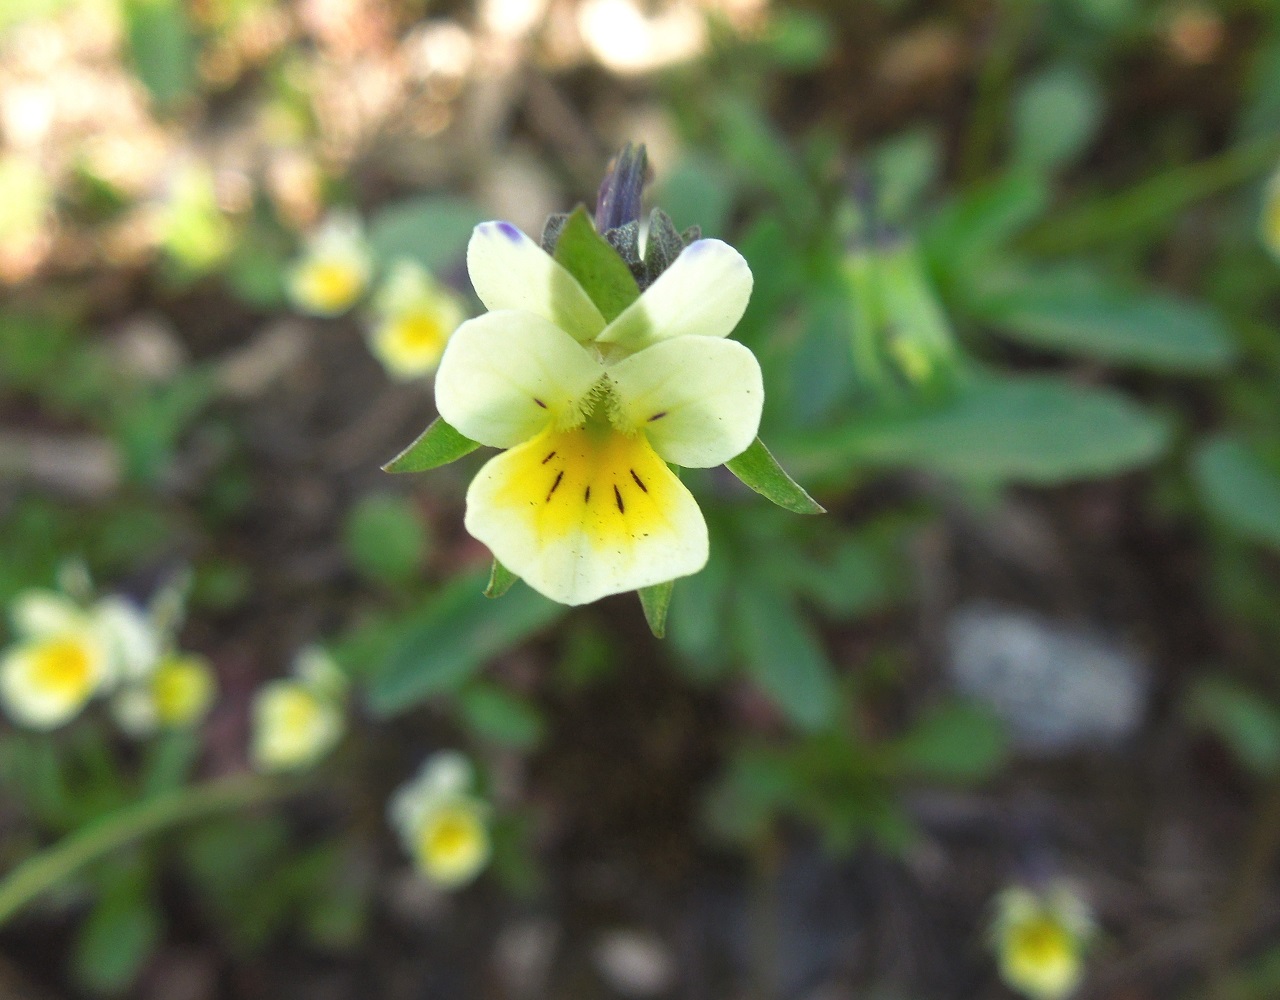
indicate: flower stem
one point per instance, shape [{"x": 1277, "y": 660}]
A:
[{"x": 60, "y": 861}]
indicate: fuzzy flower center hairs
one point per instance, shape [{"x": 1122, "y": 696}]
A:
[{"x": 600, "y": 369}]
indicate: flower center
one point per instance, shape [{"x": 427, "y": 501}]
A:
[
  {"x": 181, "y": 690},
  {"x": 451, "y": 840},
  {"x": 331, "y": 284},
  {"x": 64, "y": 668},
  {"x": 419, "y": 331},
  {"x": 592, "y": 479},
  {"x": 1042, "y": 949}
]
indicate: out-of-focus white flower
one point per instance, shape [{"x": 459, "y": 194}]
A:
[
  {"x": 298, "y": 721},
  {"x": 414, "y": 317},
  {"x": 443, "y": 825},
  {"x": 133, "y": 642},
  {"x": 1040, "y": 938},
  {"x": 61, "y": 659},
  {"x": 334, "y": 269}
]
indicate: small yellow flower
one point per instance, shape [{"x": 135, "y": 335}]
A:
[
  {"x": 46, "y": 681},
  {"x": 297, "y": 722},
  {"x": 334, "y": 269},
  {"x": 1270, "y": 222},
  {"x": 415, "y": 317},
  {"x": 1040, "y": 939},
  {"x": 443, "y": 826},
  {"x": 177, "y": 694}
]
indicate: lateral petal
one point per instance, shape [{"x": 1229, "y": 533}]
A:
[
  {"x": 698, "y": 400},
  {"x": 507, "y": 375},
  {"x": 703, "y": 293},
  {"x": 588, "y": 512},
  {"x": 510, "y": 271}
]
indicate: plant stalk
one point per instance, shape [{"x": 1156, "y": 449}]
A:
[{"x": 58, "y": 862}]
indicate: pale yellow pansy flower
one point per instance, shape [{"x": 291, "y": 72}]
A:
[
  {"x": 60, "y": 660},
  {"x": 334, "y": 268},
  {"x": 1269, "y": 223},
  {"x": 444, "y": 827},
  {"x": 1040, "y": 938},
  {"x": 414, "y": 317},
  {"x": 582, "y": 503},
  {"x": 177, "y": 693},
  {"x": 298, "y": 721}
]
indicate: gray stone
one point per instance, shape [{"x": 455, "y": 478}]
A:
[{"x": 1059, "y": 687}]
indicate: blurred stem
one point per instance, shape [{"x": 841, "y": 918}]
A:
[
  {"x": 1145, "y": 207},
  {"x": 991, "y": 101},
  {"x": 55, "y": 864},
  {"x": 764, "y": 918},
  {"x": 1256, "y": 862}
]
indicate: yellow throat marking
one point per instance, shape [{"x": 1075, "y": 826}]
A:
[
  {"x": 63, "y": 667},
  {"x": 610, "y": 486}
]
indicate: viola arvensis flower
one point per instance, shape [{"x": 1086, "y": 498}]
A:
[
  {"x": 444, "y": 826},
  {"x": 298, "y": 720},
  {"x": 177, "y": 692},
  {"x": 334, "y": 268},
  {"x": 61, "y": 659},
  {"x": 1039, "y": 939},
  {"x": 414, "y": 317},
  {"x": 582, "y": 503}
]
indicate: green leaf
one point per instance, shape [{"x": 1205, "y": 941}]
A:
[
  {"x": 122, "y": 930},
  {"x": 494, "y": 715},
  {"x": 696, "y": 191},
  {"x": 759, "y": 470},
  {"x": 798, "y": 40},
  {"x": 458, "y": 632},
  {"x": 1056, "y": 117},
  {"x": 438, "y": 445},
  {"x": 656, "y": 601},
  {"x": 1074, "y": 311},
  {"x": 603, "y": 275},
  {"x": 386, "y": 538},
  {"x": 1154, "y": 204},
  {"x": 501, "y": 580},
  {"x": 1237, "y": 487},
  {"x": 954, "y": 742},
  {"x": 785, "y": 657},
  {"x": 429, "y": 229},
  {"x": 976, "y": 226},
  {"x": 161, "y": 48},
  {"x": 1026, "y": 429},
  {"x": 1247, "y": 724}
]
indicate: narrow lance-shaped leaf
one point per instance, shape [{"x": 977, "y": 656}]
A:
[
  {"x": 760, "y": 470},
  {"x": 501, "y": 580},
  {"x": 438, "y": 445},
  {"x": 656, "y": 600}
]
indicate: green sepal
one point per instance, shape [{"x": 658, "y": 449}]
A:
[
  {"x": 656, "y": 600},
  {"x": 601, "y": 272},
  {"x": 761, "y": 472},
  {"x": 501, "y": 580},
  {"x": 438, "y": 445}
]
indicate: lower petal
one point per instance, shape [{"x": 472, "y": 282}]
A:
[{"x": 584, "y": 513}]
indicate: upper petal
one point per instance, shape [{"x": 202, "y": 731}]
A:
[
  {"x": 697, "y": 400},
  {"x": 510, "y": 271},
  {"x": 507, "y": 375},
  {"x": 703, "y": 293},
  {"x": 584, "y": 513}
]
